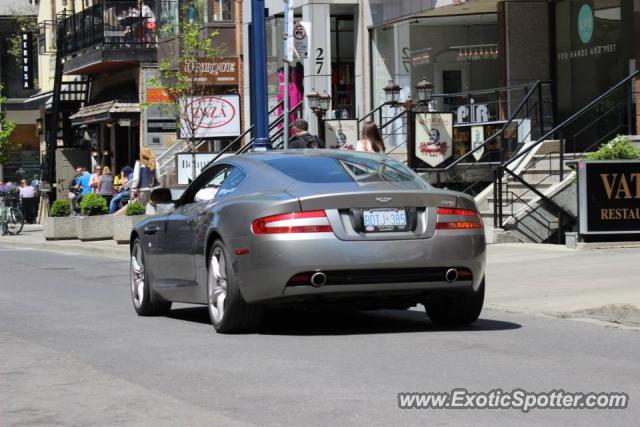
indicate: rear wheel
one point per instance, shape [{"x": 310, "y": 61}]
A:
[
  {"x": 228, "y": 310},
  {"x": 15, "y": 221},
  {"x": 456, "y": 310},
  {"x": 144, "y": 301}
]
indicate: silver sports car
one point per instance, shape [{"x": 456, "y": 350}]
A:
[{"x": 304, "y": 227}]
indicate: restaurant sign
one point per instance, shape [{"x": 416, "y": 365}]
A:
[
  {"x": 609, "y": 196},
  {"x": 212, "y": 71},
  {"x": 434, "y": 137}
]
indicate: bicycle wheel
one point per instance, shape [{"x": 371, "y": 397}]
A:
[{"x": 15, "y": 221}]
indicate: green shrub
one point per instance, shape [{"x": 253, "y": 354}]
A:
[
  {"x": 93, "y": 204},
  {"x": 134, "y": 208},
  {"x": 619, "y": 148},
  {"x": 61, "y": 208}
]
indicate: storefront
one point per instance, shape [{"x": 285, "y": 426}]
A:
[
  {"x": 455, "y": 53},
  {"x": 595, "y": 49}
]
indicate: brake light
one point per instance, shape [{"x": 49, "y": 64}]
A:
[
  {"x": 459, "y": 225},
  {"x": 295, "y": 222}
]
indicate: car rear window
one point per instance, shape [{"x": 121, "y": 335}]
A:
[{"x": 344, "y": 168}]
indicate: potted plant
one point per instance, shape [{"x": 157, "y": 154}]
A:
[
  {"x": 59, "y": 225},
  {"x": 94, "y": 224},
  {"x": 122, "y": 225}
]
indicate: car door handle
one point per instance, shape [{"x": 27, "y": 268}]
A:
[{"x": 151, "y": 229}]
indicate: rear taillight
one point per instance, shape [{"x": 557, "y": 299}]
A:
[
  {"x": 295, "y": 222},
  {"x": 473, "y": 220}
]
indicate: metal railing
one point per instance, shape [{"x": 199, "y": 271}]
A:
[
  {"x": 607, "y": 115},
  {"x": 112, "y": 23}
]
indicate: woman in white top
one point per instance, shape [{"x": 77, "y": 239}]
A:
[{"x": 370, "y": 140}]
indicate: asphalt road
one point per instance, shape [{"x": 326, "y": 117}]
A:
[{"x": 73, "y": 352}]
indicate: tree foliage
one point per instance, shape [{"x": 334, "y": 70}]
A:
[
  {"x": 182, "y": 83},
  {"x": 6, "y": 129}
]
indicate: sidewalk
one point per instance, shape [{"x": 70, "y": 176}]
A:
[
  {"x": 31, "y": 237},
  {"x": 531, "y": 278}
]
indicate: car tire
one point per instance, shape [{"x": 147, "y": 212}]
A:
[
  {"x": 145, "y": 301},
  {"x": 229, "y": 312},
  {"x": 456, "y": 309}
]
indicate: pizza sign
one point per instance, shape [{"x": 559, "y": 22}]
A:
[
  {"x": 210, "y": 117},
  {"x": 434, "y": 136}
]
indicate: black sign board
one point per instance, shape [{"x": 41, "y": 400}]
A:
[
  {"x": 161, "y": 125},
  {"x": 609, "y": 196},
  {"x": 27, "y": 60}
]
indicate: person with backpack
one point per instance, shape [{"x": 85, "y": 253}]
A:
[{"x": 302, "y": 138}]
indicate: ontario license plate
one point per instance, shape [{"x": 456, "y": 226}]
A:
[{"x": 384, "y": 219}]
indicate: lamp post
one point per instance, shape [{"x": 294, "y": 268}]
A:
[
  {"x": 392, "y": 93},
  {"x": 319, "y": 104},
  {"x": 424, "y": 90}
]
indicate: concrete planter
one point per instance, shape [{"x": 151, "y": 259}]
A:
[
  {"x": 122, "y": 226},
  {"x": 99, "y": 227},
  {"x": 59, "y": 228}
]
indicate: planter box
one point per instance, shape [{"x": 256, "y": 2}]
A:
[
  {"x": 59, "y": 228},
  {"x": 122, "y": 226},
  {"x": 99, "y": 227}
]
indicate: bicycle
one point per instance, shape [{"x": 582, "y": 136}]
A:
[{"x": 11, "y": 218}]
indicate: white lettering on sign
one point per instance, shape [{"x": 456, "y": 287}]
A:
[{"x": 473, "y": 113}]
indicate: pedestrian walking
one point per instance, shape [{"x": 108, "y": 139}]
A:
[
  {"x": 302, "y": 138},
  {"x": 370, "y": 140}
]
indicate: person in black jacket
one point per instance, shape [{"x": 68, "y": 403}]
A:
[{"x": 302, "y": 138}]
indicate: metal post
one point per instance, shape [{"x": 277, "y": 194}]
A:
[
  {"x": 411, "y": 135},
  {"x": 259, "y": 75},
  {"x": 495, "y": 198},
  {"x": 321, "y": 130},
  {"x": 540, "y": 110},
  {"x": 629, "y": 103},
  {"x": 285, "y": 121},
  {"x": 500, "y": 173}
]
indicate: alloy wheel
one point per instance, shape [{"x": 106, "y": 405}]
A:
[
  {"x": 137, "y": 275},
  {"x": 217, "y": 285}
]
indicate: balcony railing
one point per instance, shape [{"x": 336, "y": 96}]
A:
[{"x": 112, "y": 23}]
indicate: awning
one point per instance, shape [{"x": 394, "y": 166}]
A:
[
  {"x": 469, "y": 7},
  {"x": 105, "y": 111}
]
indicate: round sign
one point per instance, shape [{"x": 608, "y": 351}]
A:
[
  {"x": 585, "y": 23},
  {"x": 210, "y": 112},
  {"x": 299, "y": 32}
]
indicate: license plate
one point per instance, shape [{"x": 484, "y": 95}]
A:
[{"x": 384, "y": 219}]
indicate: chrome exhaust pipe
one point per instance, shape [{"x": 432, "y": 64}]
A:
[
  {"x": 451, "y": 275},
  {"x": 318, "y": 279}
]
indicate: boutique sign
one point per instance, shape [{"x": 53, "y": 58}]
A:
[{"x": 609, "y": 196}]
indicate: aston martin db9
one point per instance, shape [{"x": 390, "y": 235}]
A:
[{"x": 309, "y": 227}]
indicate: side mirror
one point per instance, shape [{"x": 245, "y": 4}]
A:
[{"x": 161, "y": 196}]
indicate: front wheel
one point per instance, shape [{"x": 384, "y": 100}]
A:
[
  {"x": 456, "y": 310},
  {"x": 144, "y": 301},
  {"x": 228, "y": 310},
  {"x": 15, "y": 221}
]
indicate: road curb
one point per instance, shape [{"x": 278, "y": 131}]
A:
[{"x": 117, "y": 252}]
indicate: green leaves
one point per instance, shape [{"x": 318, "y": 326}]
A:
[
  {"x": 134, "y": 208},
  {"x": 61, "y": 207},
  {"x": 619, "y": 148},
  {"x": 6, "y": 129},
  {"x": 93, "y": 204}
]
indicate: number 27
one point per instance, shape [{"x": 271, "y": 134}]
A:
[{"x": 319, "y": 59}]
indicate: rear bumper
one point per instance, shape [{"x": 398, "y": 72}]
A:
[{"x": 264, "y": 272}]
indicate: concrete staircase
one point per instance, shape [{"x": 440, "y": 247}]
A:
[{"x": 521, "y": 207}]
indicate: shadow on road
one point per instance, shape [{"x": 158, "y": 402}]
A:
[{"x": 334, "y": 322}]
